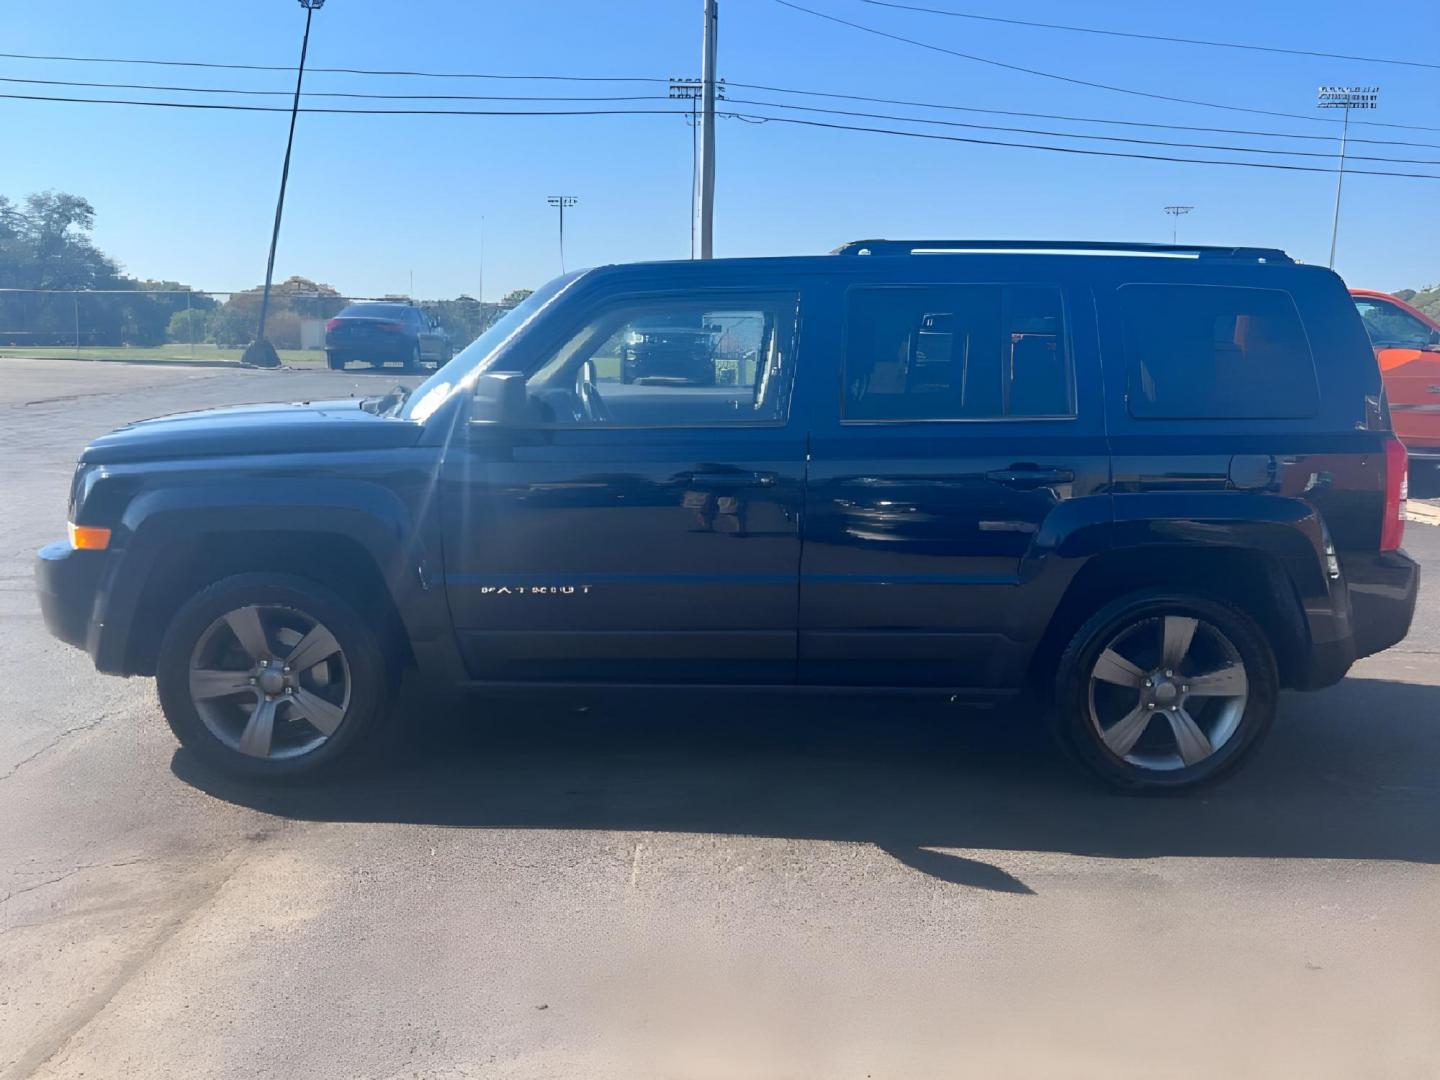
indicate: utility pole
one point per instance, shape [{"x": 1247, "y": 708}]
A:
[
  {"x": 707, "y": 131},
  {"x": 1347, "y": 98},
  {"x": 1175, "y": 212},
  {"x": 689, "y": 90},
  {"x": 261, "y": 353},
  {"x": 560, "y": 202},
  {"x": 692, "y": 90},
  {"x": 480, "y": 285}
]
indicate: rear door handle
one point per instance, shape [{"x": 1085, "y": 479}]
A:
[
  {"x": 730, "y": 479},
  {"x": 1030, "y": 476}
]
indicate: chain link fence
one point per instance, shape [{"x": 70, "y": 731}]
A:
[{"x": 195, "y": 324}]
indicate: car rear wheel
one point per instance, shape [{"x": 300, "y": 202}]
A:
[
  {"x": 272, "y": 677},
  {"x": 334, "y": 361},
  {"x": 1162, "y": 691},
  {"x": 412, "y": 363}
]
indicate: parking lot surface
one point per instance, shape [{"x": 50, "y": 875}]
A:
[{"x": 647, "y": 886}]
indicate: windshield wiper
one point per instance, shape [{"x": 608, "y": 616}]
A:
[{"x": 389, "y": 404}]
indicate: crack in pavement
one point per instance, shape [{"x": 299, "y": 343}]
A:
[
  {"x": 65, "y": 734},
  {"x": 77, "y": 869},
  {"x": 52, "y": 1042}
]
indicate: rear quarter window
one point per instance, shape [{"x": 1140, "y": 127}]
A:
[{"x": 1214, "y": 352}]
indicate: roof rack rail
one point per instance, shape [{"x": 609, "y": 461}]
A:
[{"x": 1060, "y": 247}]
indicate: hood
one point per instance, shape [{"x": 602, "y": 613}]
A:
[{"x": 299, "y": 427}]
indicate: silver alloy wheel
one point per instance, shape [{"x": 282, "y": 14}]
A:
[
  {"x": 270, "y": 681},
  {"x": 1167, "y": 692}
]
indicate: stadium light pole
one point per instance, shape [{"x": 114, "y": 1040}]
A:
[
  {"x": 1347, "y": 98},
  {"x": 1175, "y": 212},
  {"x": 261, "y": 353},
  {"x": 560, "y": 202}
]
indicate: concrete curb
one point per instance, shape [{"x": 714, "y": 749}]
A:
[
  {"x": 1424, "y": 513},
  {"x": 138, "y": 361}
]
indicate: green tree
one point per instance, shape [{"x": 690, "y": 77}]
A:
[
  {"x": 189, "y": 327},
  {"x": 73, "y": 289}
]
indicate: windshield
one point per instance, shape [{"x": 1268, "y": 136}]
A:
[{"x": 480, "y": 353}]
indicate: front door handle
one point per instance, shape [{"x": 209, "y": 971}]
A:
[
  {"x": 1026, "y": 477},
  {"x": 730, "y": 479}
]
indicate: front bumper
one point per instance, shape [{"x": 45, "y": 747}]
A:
[{"x": 68, "y": 584}]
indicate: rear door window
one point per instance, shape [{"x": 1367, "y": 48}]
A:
[
  {"x": 956, "y": 352},
  {"x": 1205, "y": 352}
]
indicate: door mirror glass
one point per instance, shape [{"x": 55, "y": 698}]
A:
[{"x": 500, "y": 399}]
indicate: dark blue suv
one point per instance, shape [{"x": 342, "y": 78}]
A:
[{"x": 1142, "y": 487}]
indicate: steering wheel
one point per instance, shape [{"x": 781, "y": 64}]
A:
[{"x": 591, "y": 406}]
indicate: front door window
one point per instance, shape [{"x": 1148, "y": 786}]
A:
[{"x": 671, "y": 363}]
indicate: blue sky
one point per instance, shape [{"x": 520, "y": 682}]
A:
[{"x": 189, "y": 195}]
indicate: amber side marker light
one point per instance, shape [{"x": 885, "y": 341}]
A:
[{"x": 88, "y": 537}]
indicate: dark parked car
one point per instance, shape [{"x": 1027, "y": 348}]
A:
[
  {"x": 381, "y": 332},
  {"x": 658, "y": 351},
  {"x": 1146, "y": 488}
]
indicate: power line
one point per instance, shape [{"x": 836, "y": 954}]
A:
[
  {"x": 359, "y": 95},
  {"x": 971, "y": 140},
  {"x": 332, "y": 71},
  {"x": 229, "y": 107},
  {"x": 328, "y": 94},
  {"x": 1072, "y": 80},
  {"x": 1068, "y": 118},
  {"x": 1077, "y": 135},
  {"x": 749, "y": 117},
  {"x": 1151, "y": 37}
]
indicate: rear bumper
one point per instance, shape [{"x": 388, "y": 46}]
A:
[
  {"x": 398, "y": 349},
  {"x": 68, "y": 584},
  {"x": 1383, "y": 589},
  {"x": 1419, "y": 452},
  {"x": 1372, "y": 610}
]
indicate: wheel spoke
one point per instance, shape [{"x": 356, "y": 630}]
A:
[
  {"x": 1179, "y": 632},
  {"x": 323, "y": 716},
  {"x": 1127, "y": 731},
  {"x": 1193, "y": 744},
  {"x": 207, "y": 683},
  {"x": 259, "y": 729},
  {"x": 319, "y": 644},
  {"x": 1114, "y": 668},
  {"x": 1227, "y": 682},
  {"x": 245, "y": 624}
]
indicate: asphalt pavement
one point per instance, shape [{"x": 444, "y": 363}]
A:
[{"x": 659, "y": 886}]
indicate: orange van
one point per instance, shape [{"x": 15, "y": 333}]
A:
[{"x": 1407, "y": 344}]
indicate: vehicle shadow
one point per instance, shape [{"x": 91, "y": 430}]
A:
[{"x": 1349, "y": 773}]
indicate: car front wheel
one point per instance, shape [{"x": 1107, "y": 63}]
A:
[
  {"x": 272, "y": 677},
  {"x": 1162, "y": 691}
]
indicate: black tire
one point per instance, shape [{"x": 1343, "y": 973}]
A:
[
  {"x": 334, "y": 361},
  {"x": 372, "y": 677},
  {"x": 1077, "y": 730},
  {"x": 413, "y": 362}
]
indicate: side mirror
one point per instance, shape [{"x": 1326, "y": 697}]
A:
[{"x": 500, "y": 399}]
